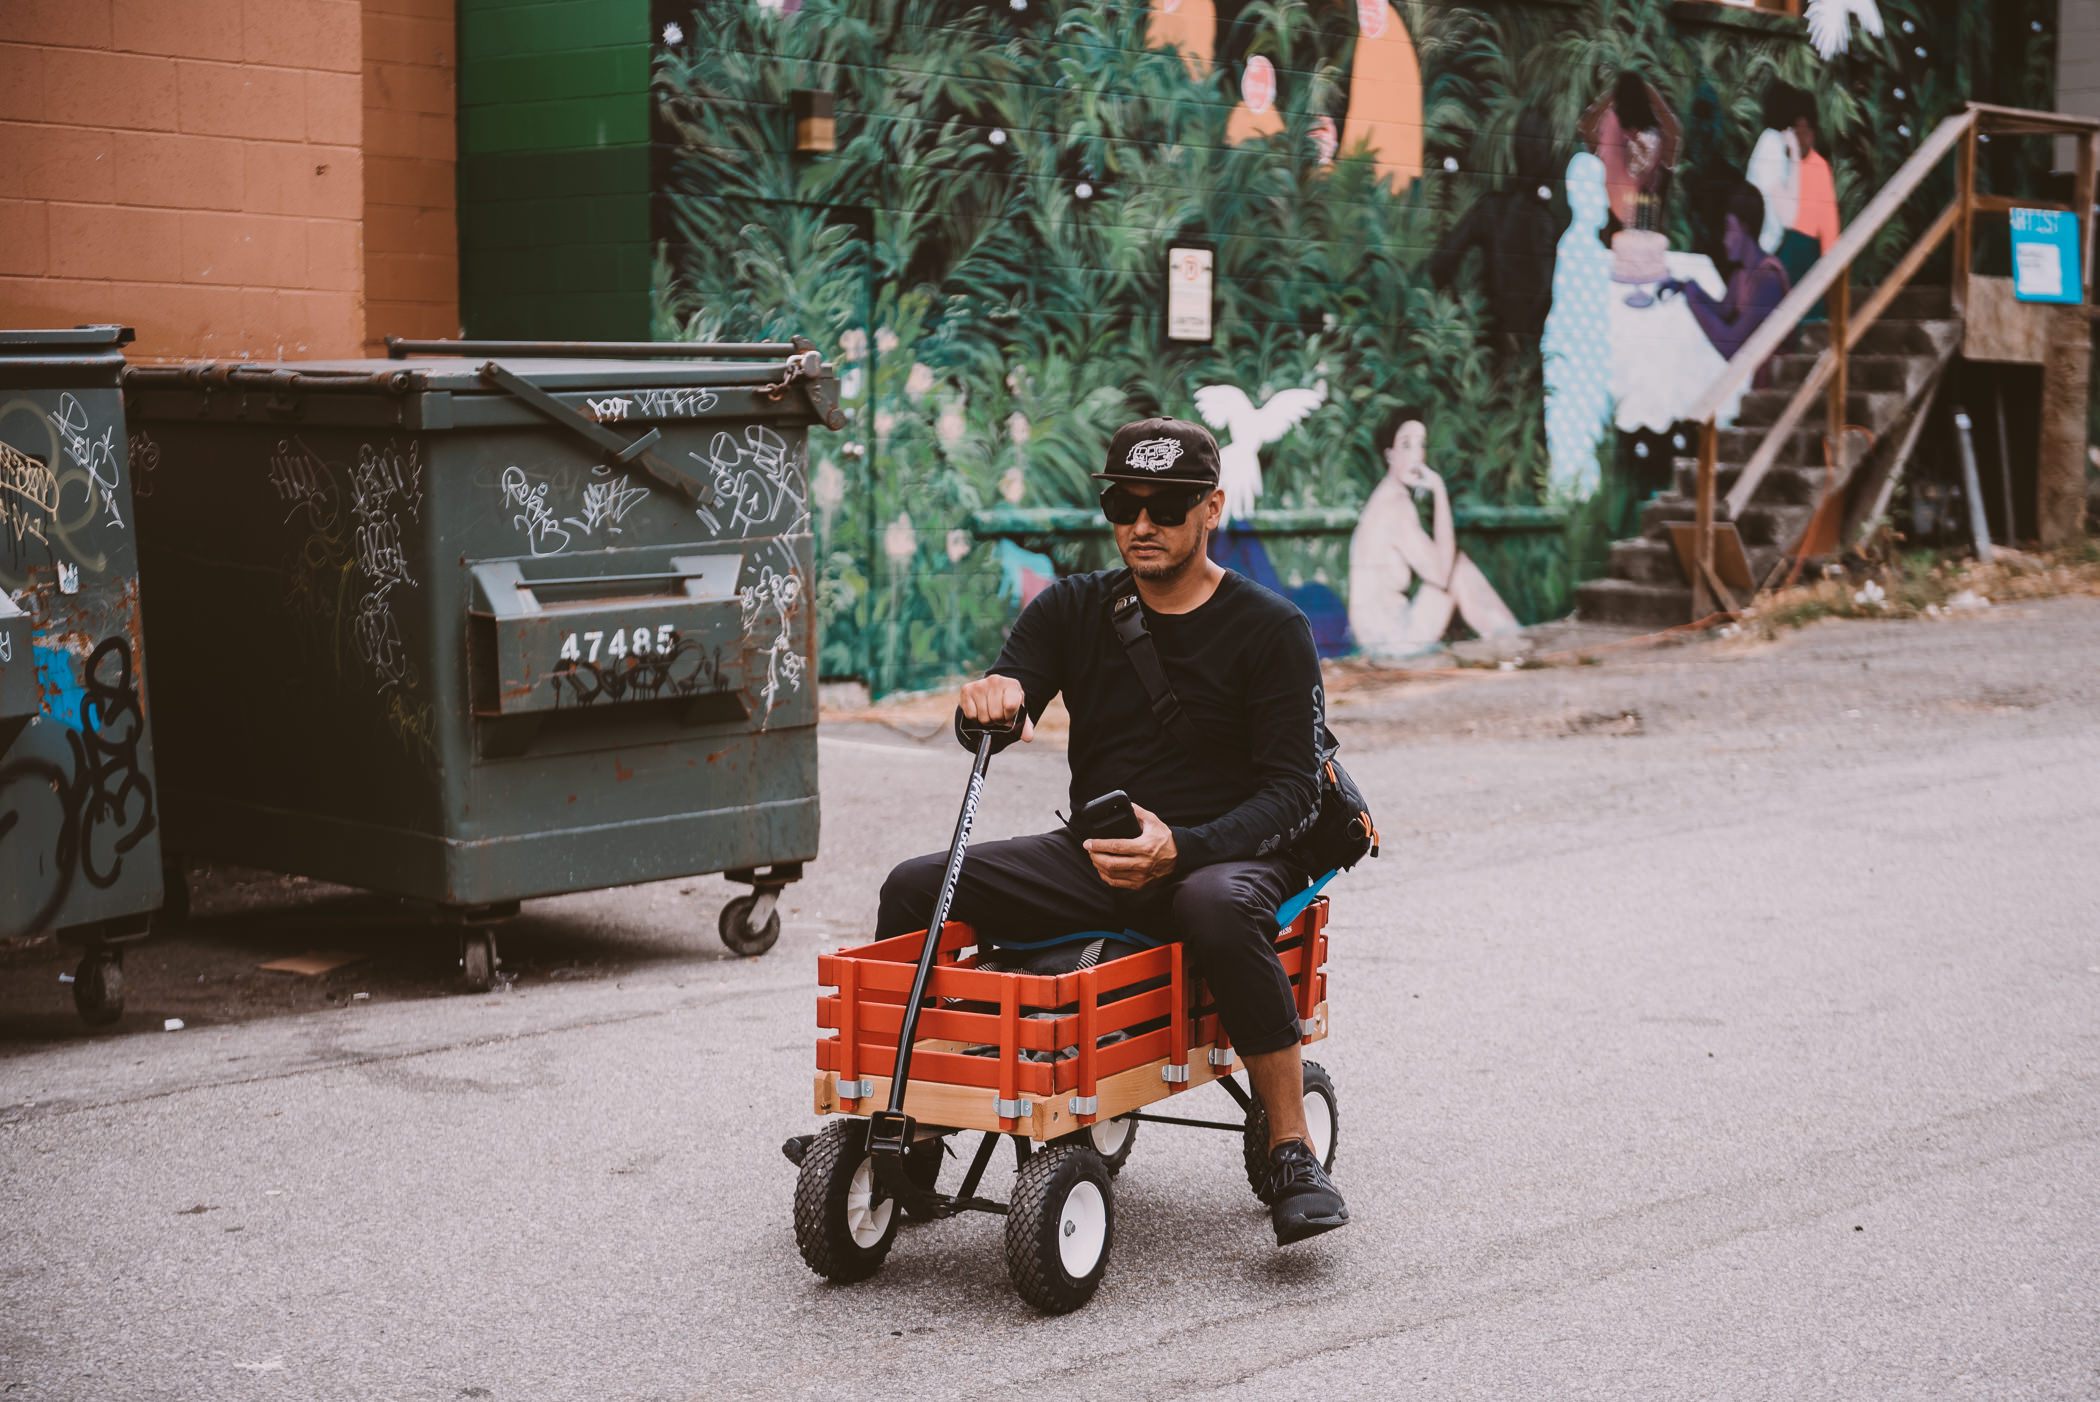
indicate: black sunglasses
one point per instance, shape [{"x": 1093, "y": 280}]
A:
[{"x": 1121, "y": 507}]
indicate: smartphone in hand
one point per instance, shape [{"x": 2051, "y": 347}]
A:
[{"x": 1108, "y": 816}]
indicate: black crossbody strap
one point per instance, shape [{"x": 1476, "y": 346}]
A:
[{"x": 1129, "y": 619}]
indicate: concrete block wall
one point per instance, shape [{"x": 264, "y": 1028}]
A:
[
  {"x": 188, "y": 167},
  {"x": 554, "y": 172},
  {"x": 411, "y": 144},
  {"x": 197, "y": 169}
]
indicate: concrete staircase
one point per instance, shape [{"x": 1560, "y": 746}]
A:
[{"x": 1892, "y": 371}]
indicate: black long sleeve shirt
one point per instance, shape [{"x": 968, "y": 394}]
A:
[{"x": 1248, "y": 677}]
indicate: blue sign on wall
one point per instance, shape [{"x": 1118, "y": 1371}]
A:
[{"x": 2046, "y": 261}]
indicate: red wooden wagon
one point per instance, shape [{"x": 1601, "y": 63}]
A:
[{"x": 1063, "y": 1065}]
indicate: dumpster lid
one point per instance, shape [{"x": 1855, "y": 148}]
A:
[
  {"x": 462, "y": 374},
  {"x": 70, "y": 338}
]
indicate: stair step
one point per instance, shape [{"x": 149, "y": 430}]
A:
[
  {"x": 1884, "y": 337},
  {"x": 1760, "y": 523},
  {"x": 1920, "y": 301},
  {"x": 1783, "y": 484},
  {"x": 1738, "y": 445},
  {"x": 1762, "y": 408},
  {"x": 1645, "y": 561},
  {"x": 1890, "y": 373},
  {"x": 1631, "y": 605}
]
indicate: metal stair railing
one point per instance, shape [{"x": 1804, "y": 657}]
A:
[{"x": 1831, "y": 278}]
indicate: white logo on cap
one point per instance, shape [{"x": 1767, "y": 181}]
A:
[{"x": 1153, "y": 455}]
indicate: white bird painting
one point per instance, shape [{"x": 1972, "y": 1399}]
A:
[
  {"x": 1830, "y": 24},
  {"x": 1227, "y": 407}
]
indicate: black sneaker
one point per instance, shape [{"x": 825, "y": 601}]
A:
[{"x": 1302, "y": 1198}]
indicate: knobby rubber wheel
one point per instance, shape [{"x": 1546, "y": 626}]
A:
[
  {"x": 1323, "y": 1117},
  {"x": 1060, "y": 1227},
  {"x": 843, "y": 1224},
  {"x": 477, "y": 961},
  {"x": 98, "y": 987},
  {"x": 1112, "y": 1140},
  {"x": 922, "y": 1163},
  {"x": 737, "y": 931}
]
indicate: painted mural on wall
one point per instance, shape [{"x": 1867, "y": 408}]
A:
[{"x": 1550, "y": 224}]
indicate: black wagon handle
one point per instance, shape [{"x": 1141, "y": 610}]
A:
[{"x": 890, "y": 1130}]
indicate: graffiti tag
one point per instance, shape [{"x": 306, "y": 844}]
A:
[
  {"x": 104, "y": 808},
  {"x": 543, "y": 532}
]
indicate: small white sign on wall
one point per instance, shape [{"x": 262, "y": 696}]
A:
[{"x": 1189, "y": 294}]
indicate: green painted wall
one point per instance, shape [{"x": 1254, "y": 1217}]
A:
[{"x": 554, "y": 168}]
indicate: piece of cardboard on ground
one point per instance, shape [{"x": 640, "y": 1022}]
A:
[
  {"x": 312, "y": 965},
  {"x": 1730, "y": 563}
]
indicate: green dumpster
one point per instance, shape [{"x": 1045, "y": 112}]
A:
[
  {"x": 499, "y": 621},
  {"x": 79, "y": 846}
]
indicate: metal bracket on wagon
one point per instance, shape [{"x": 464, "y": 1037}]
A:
[
  {"x": 1012, "y": 1109},
  {"x": 1175, "y": 1075},
  {"x": 1221, "y": 1056},
  {"x": 1086, "y": 1104}
]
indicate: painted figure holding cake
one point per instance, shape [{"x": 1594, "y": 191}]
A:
[{"x": 1755, "y": 288}]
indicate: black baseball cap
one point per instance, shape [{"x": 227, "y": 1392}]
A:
[{"x": 1162, "y": 450}]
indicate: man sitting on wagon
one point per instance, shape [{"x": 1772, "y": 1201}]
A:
[{"x": 1213, "y": 862}]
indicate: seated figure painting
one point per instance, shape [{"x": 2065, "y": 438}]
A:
[{"x": 1407, "y": 584}]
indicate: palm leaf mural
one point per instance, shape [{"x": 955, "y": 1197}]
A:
[{"x": 983, "y": 253}]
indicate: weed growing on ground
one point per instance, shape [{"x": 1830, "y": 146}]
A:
[{"x": 1925, "y": 584}]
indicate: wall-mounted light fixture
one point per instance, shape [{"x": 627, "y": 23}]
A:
[{"x": 816, "y": 124}]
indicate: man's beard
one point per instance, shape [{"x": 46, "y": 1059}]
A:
[{"x": 1169, "y": 571}]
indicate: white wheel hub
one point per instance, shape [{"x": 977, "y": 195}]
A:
[
  {"x": 1110, "y": 1136},
  {"x": 1319, "y": 1121},
  {"x": 867, "y": 1217},
  {"x": 1082, "y": 1230}
]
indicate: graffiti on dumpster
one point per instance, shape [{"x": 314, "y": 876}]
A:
[
  {"x": 383, "y": 486},
  {"x": 28, "y": 496},
  {"x": 780, "y": 595},
  {"x": 674, "y": 403},
  {"x": 93, "y": 816},
  {"x": 527, "y": 499},
  {"x": 685, "y": 668},
  {"x": 760, "y": 481},
  {"x": 353, "y": 574},
  {"x": 145, "y": 457},
  {"x": 95, "y": 456},
  {"x": 303, "y": 483},
  {"x": 606, "y": 501}
]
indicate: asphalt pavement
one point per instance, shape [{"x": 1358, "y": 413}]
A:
[{"x": 1721, "y": 1021}]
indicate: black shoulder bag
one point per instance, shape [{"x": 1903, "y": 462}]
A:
[{"x": 1338, "y": 834}]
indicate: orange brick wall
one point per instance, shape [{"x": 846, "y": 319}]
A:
[
  {"x": 195, "y": 168},
  {"x": 411, "y": 229}
]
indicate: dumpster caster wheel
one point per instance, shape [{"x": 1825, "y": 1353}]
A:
[
  {"x": 1323, "y": 1117},
  {"x": 844, "y": 1227},
  {"x": 746, "y": 927},
  {"x": 98, "y": 987},
  {"x": 477, "y": 961},
  {"x": 1060, "y": 1227}
]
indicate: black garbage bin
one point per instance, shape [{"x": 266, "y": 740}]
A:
[
  {"x": 79, "y": 841},
  {"x": 499, "y": 622}
]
